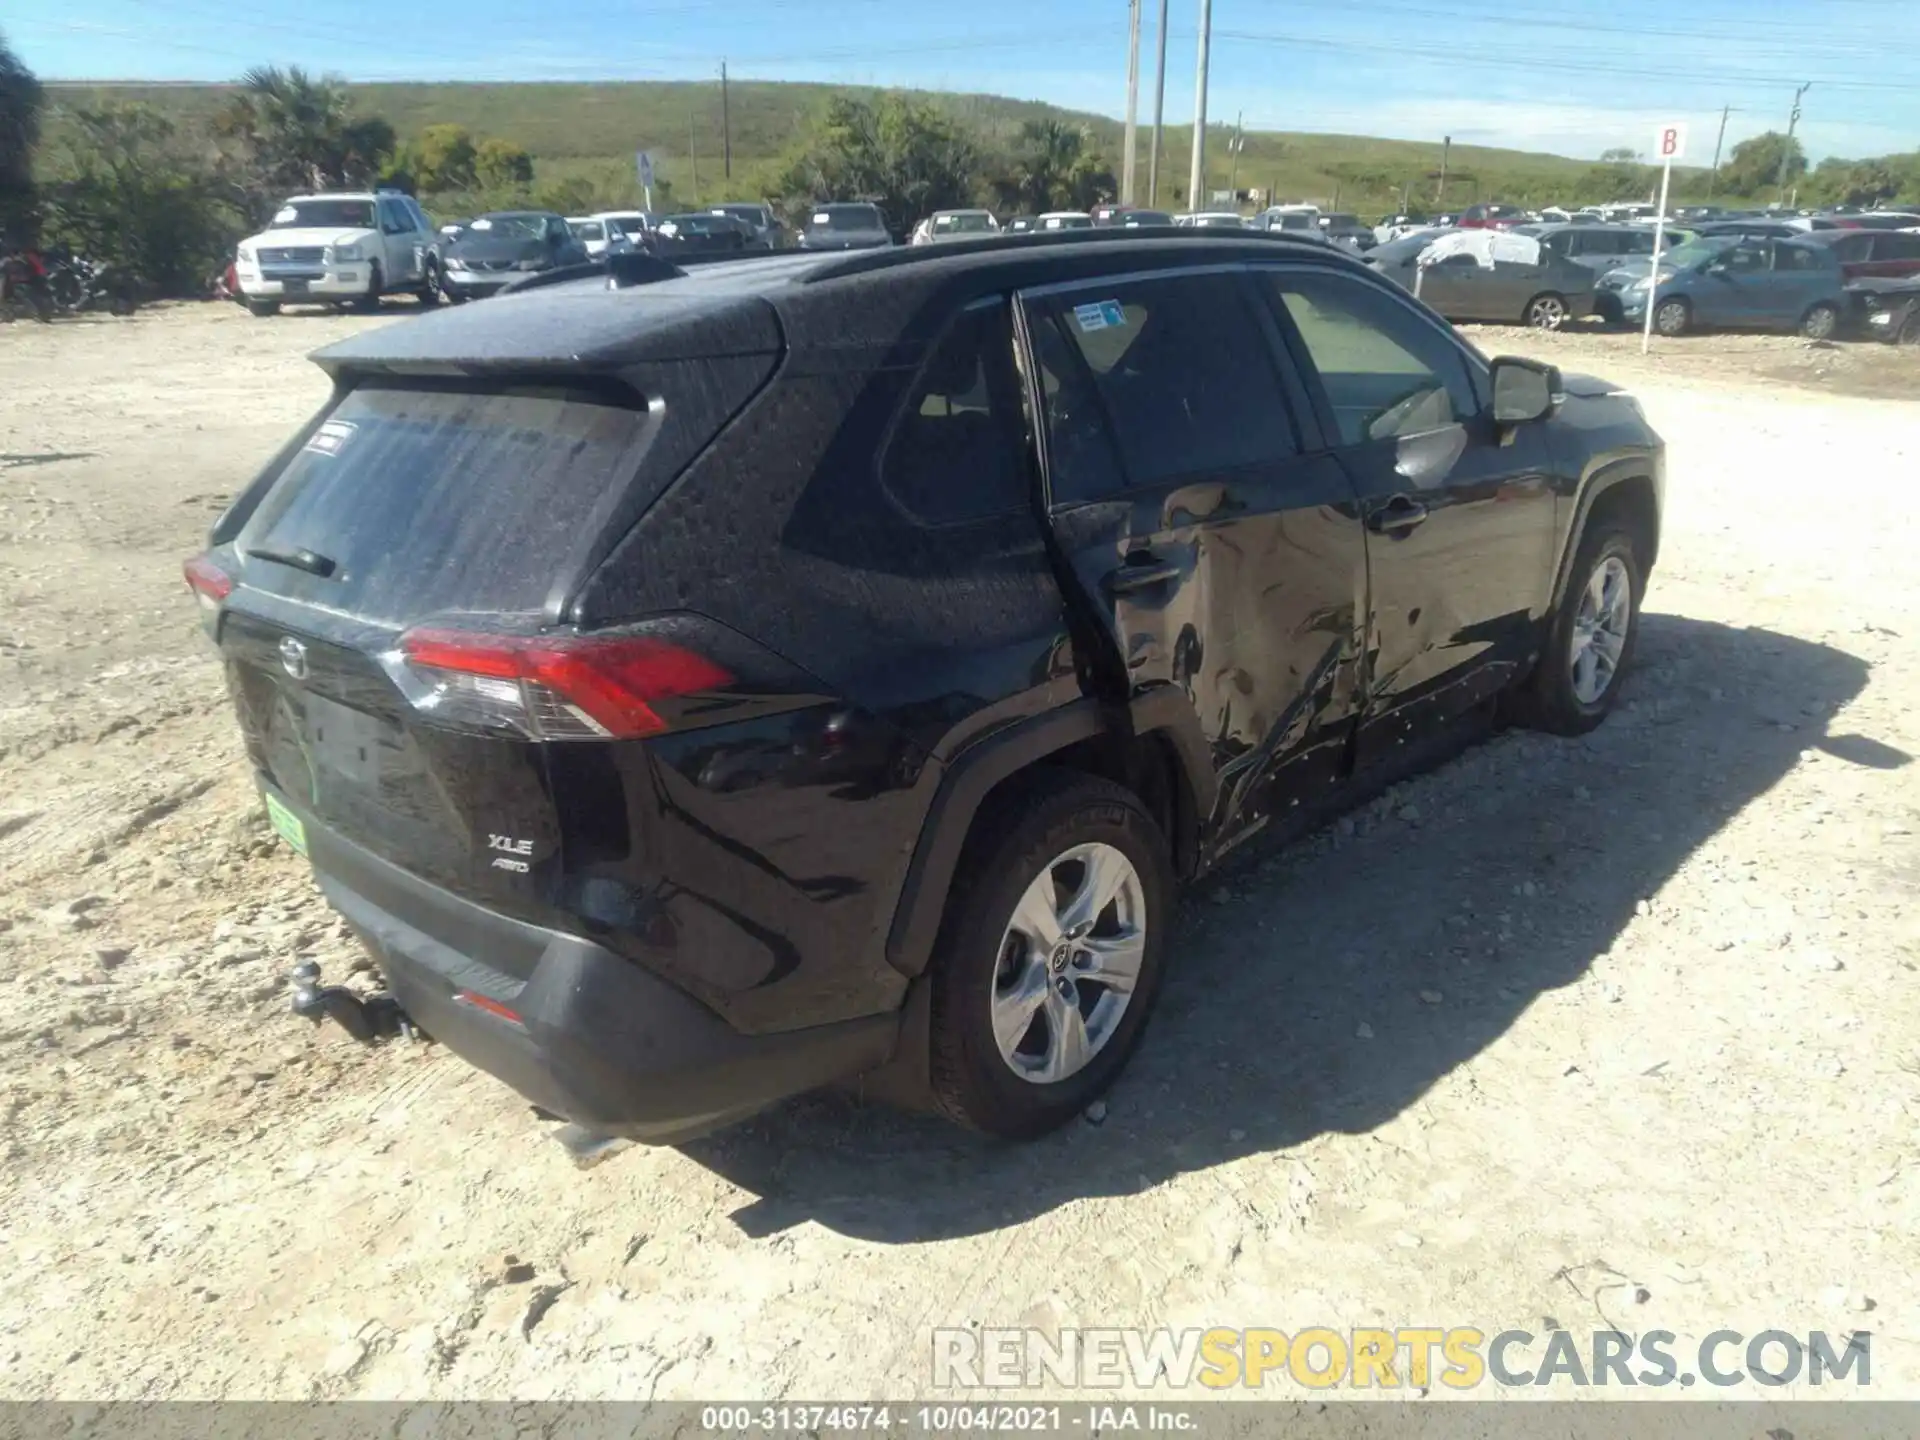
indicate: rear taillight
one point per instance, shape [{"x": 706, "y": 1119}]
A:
[
  {"x": 210, "y": 584},
  {"x": 559, "y": 687}
]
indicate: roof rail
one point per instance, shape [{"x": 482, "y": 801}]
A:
[{"x": 865, "y": 262}]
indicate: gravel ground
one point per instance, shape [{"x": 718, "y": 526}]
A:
[{"x": 1616, "y": 1031}]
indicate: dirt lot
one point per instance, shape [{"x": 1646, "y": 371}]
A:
[{"x": 1623, "y": 1031}]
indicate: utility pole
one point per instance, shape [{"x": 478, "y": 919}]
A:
[
  {"x": 1713, "y": 175},
  {"x": 726, "y": 126},
  {"x": 1786, "y": 150},
  {"x": 1129, "y": 152},
  {"x": 1159, "y": 104},
  {"x": 1196, "y": 173}
]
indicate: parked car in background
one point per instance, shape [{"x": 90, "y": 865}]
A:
[
  {"x": 1877, "y": 220},
  {"x": 1545, "y": 294},
  {"x": 347, "y": 248},
  {"x": 1212, "y": 220},
  {"x": 764, "y": 230},
  {"x": 1488, "y": 216},
  {"x": 1064, "y": 220},
  {"x": 499, "y": 248},
  {"x": 1290, "y": 220},
  {"x": 1872, "y": 254},
  {"x": 667, "y": 772},
  {"x": 700, "y": 233},
  {"x": 1135, "y": 219},
  {"x": 591, "y": 233},
  {"x": 1598, "y": 247},
  {"x": 635, "y": 225},
  {"x": 853, "y": 225},
  {"x": 1021, "y": 224},
  {"x": 1892, "y": 312},
  {"x": 1347, "y": 230},
  {"x": 958, "y": 224},
  {"x": 1749, "y": 229},
  {"x": 1733, "y": 283},
  {"x": 1394, "y": 226}
]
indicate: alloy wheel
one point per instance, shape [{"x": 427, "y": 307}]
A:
[
  {"x": 1600, "y": 630},
  {"x": 1069, "y": 962},
  {"x": 1549, "y": 312},
  {"x": 1670, "y": 318}
]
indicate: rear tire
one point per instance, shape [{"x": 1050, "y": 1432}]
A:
[
  {"x": 1546, "y": 312},
  {"x": 429, "y": 291},
  {"x": 1034, "y": 857},
  {"x": 261, "y": 309},
  {"x": 1672, "y": 317},
  {"x": 1590, "y": 641},
  {"x": 1820, "y": 322},
  {"x": 1909, "y": 332}
]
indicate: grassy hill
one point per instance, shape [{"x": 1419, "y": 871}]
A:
[{"x": 592, "y": 130}]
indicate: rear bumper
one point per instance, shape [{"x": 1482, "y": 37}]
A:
[{"x": 598, "y": 1040}]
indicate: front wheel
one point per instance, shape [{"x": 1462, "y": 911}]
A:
[
  {"x": 1672, "y": 317},
  {"x": 1820, "y": 322},
  {"x": 1910, "y": 332},
  {"x": 1590, "y": 643},
  {"x": 429, "y": 291},
  {"x": 1049, "y": 959},
  {"x": 1546, "y": 312},
  {"x": 376, "y": 287}
]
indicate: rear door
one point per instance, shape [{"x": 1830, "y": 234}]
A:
[
  {"x": 1459, "y": 515},
  {"x": 1453, "y": 287},
  {"x": 1206, "y": 523}
]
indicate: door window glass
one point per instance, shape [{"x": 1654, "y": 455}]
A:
[
  {"x": 1183, "y": 374},
  {"x": 1386, "y": 372},
  {"x": 955, "y": 452}
]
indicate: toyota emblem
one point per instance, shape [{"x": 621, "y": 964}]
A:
[{"x": 293, "y": 658}]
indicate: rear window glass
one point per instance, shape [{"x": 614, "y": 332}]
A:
[{"x": 433, "y": 500}]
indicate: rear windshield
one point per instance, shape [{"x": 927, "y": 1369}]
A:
[{"x": 428, "y": 501}]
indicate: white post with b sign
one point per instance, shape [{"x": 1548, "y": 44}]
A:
[{"x": 1669, "y": 145}]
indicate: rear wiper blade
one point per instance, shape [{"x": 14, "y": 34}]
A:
[{"x": 311, "y": 561}]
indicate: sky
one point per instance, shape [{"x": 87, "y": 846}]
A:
[{"x": 1574, "y": 79}]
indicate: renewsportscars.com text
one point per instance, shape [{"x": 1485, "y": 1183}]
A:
[{"x": 1409, "y": 1358}]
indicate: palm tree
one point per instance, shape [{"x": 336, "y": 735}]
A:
[{"x": 300, "y": 132}]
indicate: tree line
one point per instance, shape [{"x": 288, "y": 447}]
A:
[{"x": 165, "y": 198}]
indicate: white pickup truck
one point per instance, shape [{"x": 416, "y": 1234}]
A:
[{"x": 348, "y": 248}]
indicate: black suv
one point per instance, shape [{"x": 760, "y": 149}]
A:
[{"x": 698, "y": 687}]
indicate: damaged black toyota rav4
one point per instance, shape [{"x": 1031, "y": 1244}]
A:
[{"x": 699, "y": 687}]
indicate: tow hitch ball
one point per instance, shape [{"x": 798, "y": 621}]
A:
[{"x": 368, "y": 1020}]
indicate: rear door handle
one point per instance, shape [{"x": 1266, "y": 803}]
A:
[
  {"x": 1140, "y": 574},
  {"x": 1397, "y": 516}
]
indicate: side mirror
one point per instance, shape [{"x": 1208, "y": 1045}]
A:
[{"x": 1523, "y": 390}]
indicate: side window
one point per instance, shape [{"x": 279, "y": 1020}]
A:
[
  {"x": 956, "y": 451},
  {"x": 1897, "y": 247},
  {"x": 1635, "y": 242},
  {"x": 1745, "y": 257},
  {"x": 1795, "y": 257},
  {"x": 1179, "y": 369},
  {"x": 1386, "y": 372},
  {"x": 418, "y": 216}
]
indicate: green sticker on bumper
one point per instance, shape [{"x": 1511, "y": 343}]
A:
[{"x": 287, "y": 825}]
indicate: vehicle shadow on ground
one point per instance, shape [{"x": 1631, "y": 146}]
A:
[{"x": 1522, "y": 861}]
